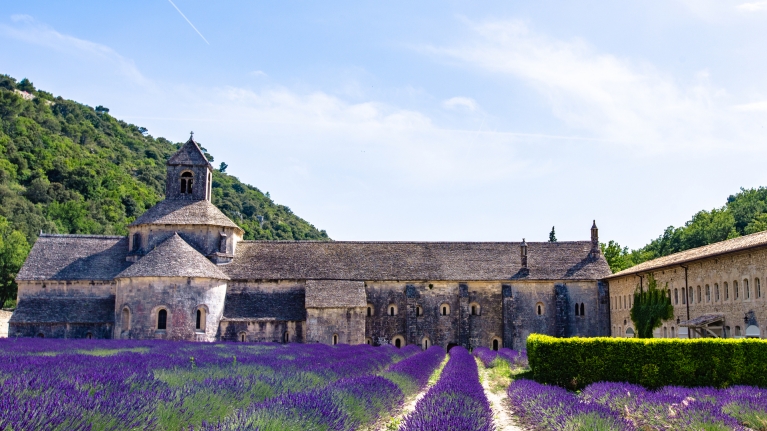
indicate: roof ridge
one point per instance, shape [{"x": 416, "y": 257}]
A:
[
  {"x": 74, "y": 235},
  {"x": 254, "y": 241}
]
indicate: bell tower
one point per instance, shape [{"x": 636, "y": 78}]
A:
[{"x": 190, "y": 175}]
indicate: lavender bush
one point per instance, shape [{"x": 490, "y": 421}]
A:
[
  {"x": 456, "y": 402},
  {"x": 412, "y": 374},
  {"x": 516, "y": 359}
]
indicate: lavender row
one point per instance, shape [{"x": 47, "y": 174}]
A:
[
  {"x": 106, "y": 385},
  {"x": 456, "y": 402},
  {"x": 619, "y": 406},
  {"x": 516, "y": 359},
  {"x": 418, "y": 368}
]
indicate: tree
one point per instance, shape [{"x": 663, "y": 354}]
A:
[
  {"x": 102, "y": 110},
  {"x": 26, "y": 85},
  {"x": 650, "y": 308},
  {"x": 552, "y": 235},
  {"x": 618, "y": 258},
  {"x": 222, "y": 167},
  {"x": 13, "y": 250}
]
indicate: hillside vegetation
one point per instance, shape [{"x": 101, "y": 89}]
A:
[
  {"x": 69, "y": 168},
  {"x": 744, "y": 213}
]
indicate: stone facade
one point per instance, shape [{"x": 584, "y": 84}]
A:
[
  {"x": 725, "y": 278},
  {"x": 184, "y": 273},
  {"x": 5, "y": 316}
]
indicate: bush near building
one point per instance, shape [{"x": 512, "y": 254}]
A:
[{"x": 575, "y": 363}]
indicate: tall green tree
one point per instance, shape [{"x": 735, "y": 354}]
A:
[
  {"x": 552, "y": 235},
  {"x": 651, "y": 308},
  {"x": 13, "y": 250}
]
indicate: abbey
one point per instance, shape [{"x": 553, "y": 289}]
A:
[{"x": 184, "y": 272}]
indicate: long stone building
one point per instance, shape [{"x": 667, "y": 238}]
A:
[
  {"x": 185, "y": 273},
  {"x": 716, "y": 290}
]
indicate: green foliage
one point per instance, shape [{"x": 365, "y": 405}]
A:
[
  {"x": 744, "y": 213},
  {"x": 552, "y": 235},
  {"x": 577, "y": 362},
  {"x": 13, "y": 250},
  {"x": 66, "y": 168},
  {"x": 651, "y": 308}
]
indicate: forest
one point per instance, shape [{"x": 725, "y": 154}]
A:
[{"x": 70, "y": 168}]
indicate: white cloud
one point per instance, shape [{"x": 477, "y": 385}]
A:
[
  {"x": 617, "y": 99},
  {"x": 460, "y": 102},
  {"x": 751, "y": 107},
  {"x": 259, "y": 74},
  {"x": 31, "y": 31},
  {"x": 753, "y": 7}
]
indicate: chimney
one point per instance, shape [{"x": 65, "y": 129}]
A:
[
  {"x": 595, "y": 239},
  {"x": 523, "y": 250}
]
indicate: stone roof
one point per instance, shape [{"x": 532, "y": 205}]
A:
[
  {"x": 703, "y": 320},
  {"x": 746, "y": 242},
  {"x": 64, "y": 310},
  {"x": 339, "y": 260},
  {"x": 252, "y": 305},
  {"x": 174, "y": 257},
  {"x": 75, "y": 257},
  {"x": 189, "y": 154},
  {"x": 335, "y": 294},
  {"x": 185, "y": 212}
]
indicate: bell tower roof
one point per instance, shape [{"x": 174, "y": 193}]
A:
[{"x": 189, "y": 154}]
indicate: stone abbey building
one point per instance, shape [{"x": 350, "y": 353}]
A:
[{"x": 185, "y": 273}]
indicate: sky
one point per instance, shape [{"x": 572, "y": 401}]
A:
[{"x": 432, "y": 120}]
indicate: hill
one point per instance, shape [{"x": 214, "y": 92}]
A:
[
  {"x": 744, "y": 213},
  {"x": 69, "y": 168}
]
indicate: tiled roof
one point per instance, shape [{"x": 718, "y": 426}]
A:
[
  {"x": 278, "y": 305},
  {"x": 64, "y": 310},
  {"x": 189, "y": 154},
  {"x": 75, "y": 257},
  {"x": 174, "y": 257},
  {"x": 758, "y": 239},
  {"x": 703, "y": 320},
  {"x": 414, "y": 261},
  {"x": 185, "y": 212},
  {"x": 335, "y": 293}
]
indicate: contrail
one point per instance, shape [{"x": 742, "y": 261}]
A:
[{"x": 190, "y": 22}]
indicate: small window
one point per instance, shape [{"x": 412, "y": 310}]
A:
[
  {"x": 726, "y": 291},
  {"x": 716, "y": 292},
  {"x": 735, "y": 290},
  {"x": 200, "y": 319},
  {"x": 475, "y": 309},
  {"x": 700, "y": 296},
  {"x": 539, "y": 309},
  {"x": 286, "y": 337},
  {"x": 672, "y": 332},
  {"x": 495, "y": 344},
  {"x": 444, "y": 309},
  {"x": 136, "y": 241},
  {"x": 186, "y": 183},
  {"x": 392, "y": 310},
  {"x": 162, "y": 319},
  {"x": 684, "y": 296},
  {"x": 370, "y": 311},
  {"x": 757, "y": 288},
  {"x": 676, "y": 296},
  {"x": 418, "y": 311},
  {"x": 425, "y": 343},
  {"x": 577, "y": 310},
  {"x": 746, "y": 290},
  {"x": 708, "y": 293},
  {"x": 242, "y": 337},
  {"x": 89, "y": 336},
  {"x": 727, "y": 332},
  {"x": 126, "y": 319},
  {"x": 398, "y": 343},
  {"x": 583, "y": 309},
  {"x": 690, "y": 296},
  {"x": 737, "y": 329},
  {"x": 368, "y": 341},
  {"x": 335, "y": 339},
  {"x": 665, "y": 332}
]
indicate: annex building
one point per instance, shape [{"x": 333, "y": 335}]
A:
[{"x": 185, "y": 273}]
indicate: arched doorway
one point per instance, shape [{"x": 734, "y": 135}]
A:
[{"x": 495, "y": 344}]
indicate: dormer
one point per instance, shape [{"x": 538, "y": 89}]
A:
[{"x": 190, "y": 175}]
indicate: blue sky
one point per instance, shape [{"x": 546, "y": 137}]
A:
[{"x": 441, "y": 120}]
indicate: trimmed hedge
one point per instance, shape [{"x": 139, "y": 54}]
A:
[{"x": 577, "y": 362}]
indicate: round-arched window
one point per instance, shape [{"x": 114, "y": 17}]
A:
[
  {"x": 187, "y": 182},
  {"x": 162, "y": 319},
  {"x": 392, "y": 309},
  {"x": 539, "y": 309},
  {"x": 444, "y": 309}
]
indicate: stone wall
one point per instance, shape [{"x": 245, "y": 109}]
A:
[
  {"x": 66, "y": 288},
  {"x": 5, "y": 315},
  {"x": 261, "y": 330},
  {"x": 205, "y": 239},
  {"x": 348, "y": 324},
  {"x": 180, "y": 297},
  {"x": 739, "y": 313}
]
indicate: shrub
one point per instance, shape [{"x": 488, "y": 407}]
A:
[{"x": 577, "y": 362}]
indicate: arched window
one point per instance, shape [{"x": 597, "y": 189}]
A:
[
  {"x": 418, "y": 311},
  {"x": 684, "y": 296},
  {"x": 126, "y": 319},
  {"x": 425, "y": 343},
  {"x": 726, "y": 291},
  {"x": 242, "y": 337},
  {"x": 444, "y": 309},
  {"x": 186, "y": 183},
  {"x": 368, "y": 341},
  {"x": 370, "y": 310},
  {"x": 690, "y": 296},
  {"x": 716, "y": 292},
  {"x": 136, "y": 241},
  {"x": 577, "y": 310},
  {"x": 200, "y": 319},
  {"x": 89, "y": 336},
  {"x": 676, "y": 296},
  {"x": 286, "y": 337},
  {"x": 583, "y": 309},
  {"x": 746, "y": 290},
  {"x": 539, "y": 309},
  {"x": 735, "y": 290},
  {"x": 495, "y": 344},
  {"x": 700, "y": 296},
  {"x": 672, "y": 332},
  {"x": 398, "y": 341},
  {"x": 737, "y": 331},
  {"x": 665, "y": 332},
  {"x": 708, "y": 293},
  {"x": 475, "y": 309},
  {"x": 162, "y": 319},
  {"x": 335, "y": 339},
  {"x": 757, "y": 288},
  {"x": 392, "y": 310}
]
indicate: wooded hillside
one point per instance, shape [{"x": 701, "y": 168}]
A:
[{"x": 69, "y": 168}]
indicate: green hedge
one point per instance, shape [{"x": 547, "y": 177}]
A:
[{"x": 576, "y": 362}]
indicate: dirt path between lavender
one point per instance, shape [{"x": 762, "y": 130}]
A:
[{"x": 502, "y": 415}]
